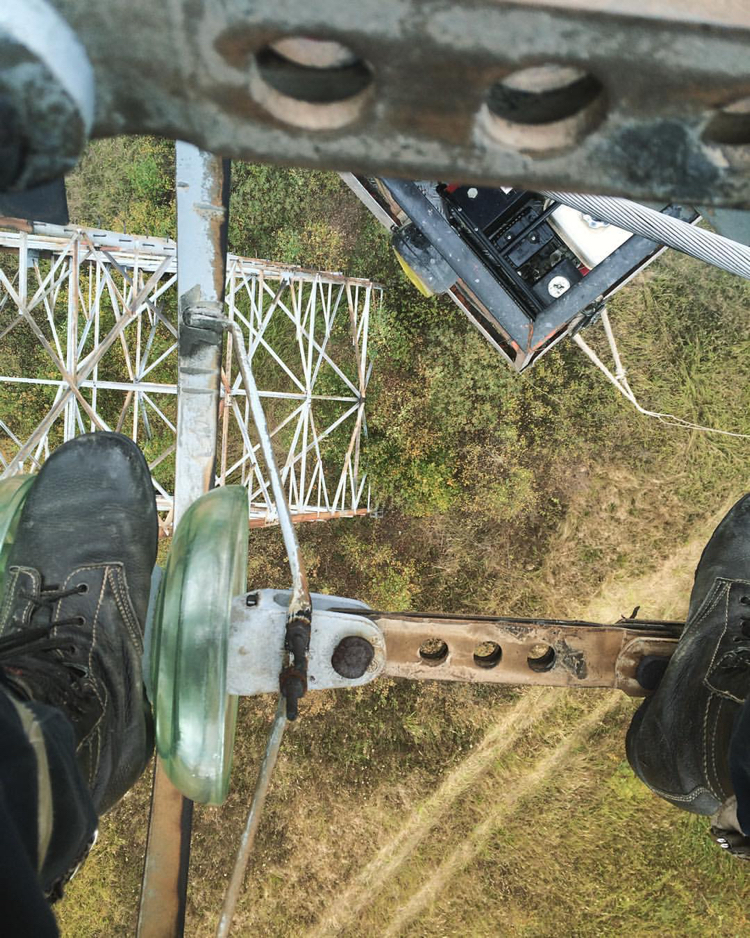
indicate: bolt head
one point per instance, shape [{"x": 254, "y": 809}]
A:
[
  {"x": 557, "y": 286},
  {"x": 594, "y": 223},
  {"x": 352, "y": 656}
]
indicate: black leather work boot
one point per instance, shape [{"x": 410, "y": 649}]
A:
[
  {"x": 74, "y": 608},
  {"x": 678, "y": 741}
]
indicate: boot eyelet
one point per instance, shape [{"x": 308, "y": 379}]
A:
[
  {"x": 80, "y": 620},
  {"x": 83, "y": 587},
  {"x": 745, "y": 627},
  {"x": 745, "y": 600}
]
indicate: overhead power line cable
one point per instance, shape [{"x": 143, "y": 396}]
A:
[{"x": 704, "y": 245}]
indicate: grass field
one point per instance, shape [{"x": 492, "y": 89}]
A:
[{"x": 434, "y": 810}]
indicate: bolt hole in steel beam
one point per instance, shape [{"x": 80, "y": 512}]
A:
[
  {"x": 315, "y": 84},
  {"x": 487, "y": 655},
  {"x": 544, "y": 108},
  {"x": 434, "y": 651},
  {"x": 541, "y": 657},
  {"x": 731, "y": 125}
]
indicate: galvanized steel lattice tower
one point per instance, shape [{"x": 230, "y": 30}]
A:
[{"x": 93, "y": 320}]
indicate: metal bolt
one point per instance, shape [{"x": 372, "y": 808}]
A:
[
  {"x": 352, "y": 656},
  {"x": 472, "y": 193},
  {"x": 557, "y": 286},
  {"x": 594, "y": 222}
]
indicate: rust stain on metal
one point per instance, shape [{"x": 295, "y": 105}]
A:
[
  {"x": 17, "y": 224},
  {"x": 585, "y": 654},
  {"x": 201, "y": 277},
  {"x": 434, "y": 74},
  {"x": 165, "y": 529},
  {"x": 162, "y": 913},
  {"x": 632, "y": 654},
  {"x": 573, "y": 659}
]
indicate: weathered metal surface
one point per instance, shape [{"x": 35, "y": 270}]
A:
[
  {"x": 732, "y": 223},
  {"x": 162, "y": 909},
  {"x": 253, "y": 820},
  {"x": 101, "y": 305},
  {"x": 202, "y": 216},
  {"x": 426, "y": 89},
  {"x": 479, "y": 649},
  {"x": 469, "y": 649},
  {"x": 633, "y": 652},
  {"x": 46, "y": 94},
  {"x": 551, "y": 652},
  {"x": 256, "y": 643},
  {"x": 352, "y": 657},
  {"x": 300, "y": 518}
]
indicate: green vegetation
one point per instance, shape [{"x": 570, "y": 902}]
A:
[{"x": 500, "y": 494}]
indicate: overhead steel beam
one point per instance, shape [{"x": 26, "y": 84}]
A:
[{"x": 644, "y": 98}]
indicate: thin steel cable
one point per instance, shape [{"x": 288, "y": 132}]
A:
[
  {"x": 253, "y": 819},
  {"x": 300, "y": 594},
  {"x": 299, "y": 603},
  {"x": 663, "y": 229},
  {"x": 619, "y": 380}
]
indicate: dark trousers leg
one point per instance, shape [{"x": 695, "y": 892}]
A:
[{"x": 47, "y": 819}]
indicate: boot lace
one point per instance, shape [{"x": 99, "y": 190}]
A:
[
  {"x": 739, "y": 656},
  {"x": 43, "y": 662}
]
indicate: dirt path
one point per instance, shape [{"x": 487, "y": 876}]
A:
[
  {"x": 535, "y": 778},
  {"x": 390, "y": 858},
  {"x": 662, "y": 593}
]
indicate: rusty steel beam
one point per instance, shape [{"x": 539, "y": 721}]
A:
[
  {"x": 162, "y": 907},
  {"x": 314, "y": 516},
  {"x": 553, "y": 652},
  {"x": 310, "y": 516},
  {"x": 530, "y": 93}
]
